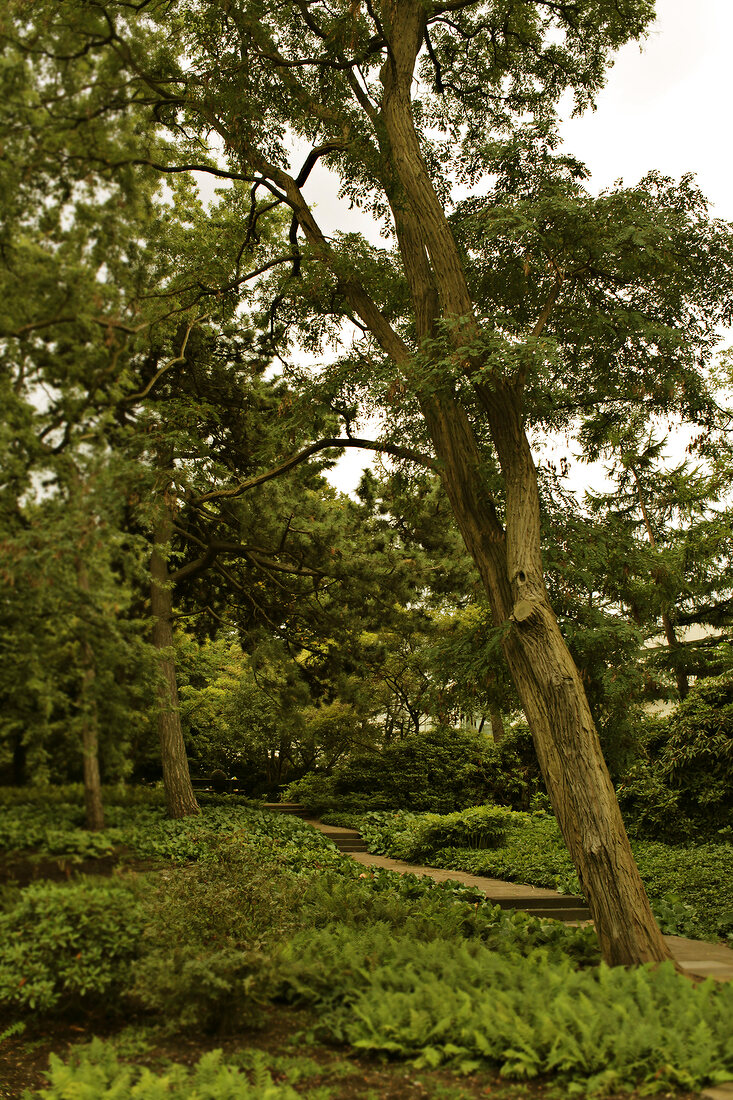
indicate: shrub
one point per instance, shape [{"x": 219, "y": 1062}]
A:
[
  {"x": 681, "y": 786},
  {"x": 205, "y": 953},
  {"x": 650, "y": 807},
  {"x": 697, "y": 760},
  {"x": 317, "y": 792},
  {"x": 62, "y": 945},
  {"x": 419, "y": 837},
  {"x": 440, "y": 770}
]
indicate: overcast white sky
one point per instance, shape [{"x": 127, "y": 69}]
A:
[{"x": 667, "y": 105}]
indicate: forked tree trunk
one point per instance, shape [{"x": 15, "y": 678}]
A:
[
  {"x": 179, "y": 796},
  {"x": 93, "y": 807}
]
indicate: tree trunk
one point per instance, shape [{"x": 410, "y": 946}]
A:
[
  {"x": 545, "y": 676},
  {"x": 94, "y": 810},
  {"x": 497, "y": 723},
  {"x": 179, "y": 796},
  {"x": 93, "y": 807},
  {"x": 510, "y": 563},
  {"x": 20, "y": 754}
]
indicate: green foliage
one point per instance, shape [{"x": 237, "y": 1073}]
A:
[
  {"x": 601, "y": 1030},
  {"x": 697, "y": 760},
  {"x": 650, "y": 807},
  {"x": 418, "y": 906},
  {"x": 95, "y": 1071},
  {"x": 317, "y": 792},
  {"x": 700, "y": 875},
  {"x": 142, "y": 828},
  {"x": 479, "y": 827},
  {"x": 205, "y": 959},
  {"x": 441, "y": 770},
  {"x": 680, "y": 787},
  {"x": 62, "y": 946}
]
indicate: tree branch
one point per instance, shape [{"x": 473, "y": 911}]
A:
[{"x": 313, "y": 448}]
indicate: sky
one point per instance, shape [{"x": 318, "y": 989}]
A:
[{"x": 666, "y": 106}]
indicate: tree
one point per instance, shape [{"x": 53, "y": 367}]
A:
[
  {"x": 513, "y": 309},
  {"x": 75, "y": 665},
  {"x": 671, "y": 531}
]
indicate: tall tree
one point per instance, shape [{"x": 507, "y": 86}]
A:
[{"x": 489, "y": 318}]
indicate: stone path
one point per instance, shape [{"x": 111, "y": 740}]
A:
[{"x": 705, "y": 959}]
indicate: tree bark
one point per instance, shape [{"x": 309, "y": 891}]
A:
[
  {"x": 179, "y": 796},
  {"x": 498, "y": 732},
  {"x": 93, "y": 806}
]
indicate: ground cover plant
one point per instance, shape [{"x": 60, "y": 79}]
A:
[
  {"x": 252, "y": 912},
  {"x": 690, "y": 884}
]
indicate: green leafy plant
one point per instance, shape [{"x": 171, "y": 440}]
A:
[
  {"x": 204, "y": 958},
  {"x": 64, "y": 945},
  {"x": 601, "y": 1030},
  {"x": 95, "y": 1071}
]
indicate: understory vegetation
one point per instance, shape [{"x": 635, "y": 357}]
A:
[{"x": 208, "y": 924}]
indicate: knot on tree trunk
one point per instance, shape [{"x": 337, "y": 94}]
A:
[{"x": 523, "y": 610}]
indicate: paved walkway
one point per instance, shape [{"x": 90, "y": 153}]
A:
[{"x": 695, "y": 956}]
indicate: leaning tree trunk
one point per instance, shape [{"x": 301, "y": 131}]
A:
[
  {"x": 179, "y": 796},
  {"x": 93, "y": 807},
  {"x": 545, "y": 676}
]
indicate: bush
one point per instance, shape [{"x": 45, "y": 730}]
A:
[
  {"x": 681, "y": 786},
  {"x": 697, "y": 760},
  {"x": 419, "y": 837},
  {"x": 317, "y": 793},
  {"x": 440, "y": 770},
  {"x": 65, "y": 945},
  {"x": 205, "y": 953},
  {"x": 650, "y": 807}
]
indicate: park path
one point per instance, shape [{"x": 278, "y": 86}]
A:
[{"x": 695, "y": 956}]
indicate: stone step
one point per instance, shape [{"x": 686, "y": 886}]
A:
[
  {"x": 560, "y": 908},
  {"x": 569, "y": 915},
  {"x": 294, "y": 808},
  {"x": 528, "y": 901}
]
